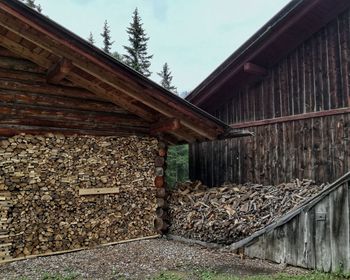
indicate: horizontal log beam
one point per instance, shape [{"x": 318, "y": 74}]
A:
[
  {"x": 37, "y": 99},
  {"x": 166, "y": 125},
  {"x": 70, "y": 115},
  {"x": 59, "y": 71},
  {"x": 7, "y": 53},
  {"x": 253, "y": 69},
  {"x": 12, "y": 130},
  {"x": 298, "y": 117},
  {"x": 44, "y": 122},
  {"x": 20, "y": 64},
  {"x": 37, "y": 87}
]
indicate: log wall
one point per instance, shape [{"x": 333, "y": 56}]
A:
[
  {"x": 29, "y": 103},
  {"x": 62, "y": 193},
  {"x": 303, "y": 135}
]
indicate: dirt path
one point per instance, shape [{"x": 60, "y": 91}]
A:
[{"x": 137, "y": 260}]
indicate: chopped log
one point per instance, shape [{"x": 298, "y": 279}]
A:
[
  {"x": 162, "y": 152},
  {"x": 74, "y": 192},
  {"x": 159, "y": 161},
  {"x": 160, "y": 225},
  {"x": 161, "y": 192},
  {"x": 159, "y": 182},
  {"x": 161, "y": 203},
  {"x": 59, "y": 71},
  {"x": 232, "y": 212}
]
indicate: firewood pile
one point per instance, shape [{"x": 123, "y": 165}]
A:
[
  {"x": 232, "y": 212},
  {"x": 61, "y": 193}
]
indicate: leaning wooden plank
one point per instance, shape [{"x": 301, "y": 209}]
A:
[
  {"x": 6, "y": 260},
  {"x": 93, "y": 191},
  {"x": 305, "y": 206}
]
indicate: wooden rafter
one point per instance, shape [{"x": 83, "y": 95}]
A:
[
  {"x": 59, "y": 71},
  {"x": 254, "y": 69},
  {"x": 166, "y": 125}
]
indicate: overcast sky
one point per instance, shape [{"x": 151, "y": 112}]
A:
[{"x": 193, "y": 36}]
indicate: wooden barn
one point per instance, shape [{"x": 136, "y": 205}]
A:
[
  {"x": 290, "y": 85},
  {"x": 83, "y": 140}
]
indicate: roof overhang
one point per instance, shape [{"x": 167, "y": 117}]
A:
[
  {"x": 35, "y": 37},
  {"x": 295, "y": 23}
]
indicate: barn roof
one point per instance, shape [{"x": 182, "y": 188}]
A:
[
  {"x": 295, "y": 23},
  {"x": 124, "y": 101}
]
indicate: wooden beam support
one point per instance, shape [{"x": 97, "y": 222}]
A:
[
  {"x": 56, "y": 102},
  {"x": 291, "y": 118},
  {"x": 12, "y": 130},
  {"x": 59, "y": 71},
  {"x": 166, "y": 125},
  {"x": 38, "y": 87},
  {"x": 69, "y": 115},
  {"x": 253, "y": 69}
]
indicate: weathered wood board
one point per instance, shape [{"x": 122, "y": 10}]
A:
[{"x": 314, "y": 236}]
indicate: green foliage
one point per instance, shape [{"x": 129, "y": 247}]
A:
[
  {"x": 54, "y": 276},
  {"x": 107, "y": 42},
  {"x": 166, "y": 78},
  {"x": 136, "y": 54},
  {"x": 117, "y": 56},
  {"x": 31, "y": 4},
  {"x": 91, "y": 39},
  {"x": 177, "y": 164}
]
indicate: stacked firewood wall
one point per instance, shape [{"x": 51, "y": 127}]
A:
[
  {"x": 61, "y": 193},
  {"x": 161, "y": 222}
]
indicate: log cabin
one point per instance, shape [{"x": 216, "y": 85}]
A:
[
  {"x": 289, "y": 85},
  {"x": 83, "y": 140}
]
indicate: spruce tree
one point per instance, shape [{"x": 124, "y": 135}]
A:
[
  {"x": 166, "y": 76},
  {"x": 107, "y": 43},
  {"x": 117, "y": 56},
  {"x": 136, "y": 54},
  {"x": 31, "y": 4},
  {"x": 91, "y": 39}
]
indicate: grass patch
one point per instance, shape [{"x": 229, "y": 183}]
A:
[
  {"x": 208, "y": 275},
  {"x": 58, "y": 276}
]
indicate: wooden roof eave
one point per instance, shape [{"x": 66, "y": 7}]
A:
[{"x": 203, "y": 126}]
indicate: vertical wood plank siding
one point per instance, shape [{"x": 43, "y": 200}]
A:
[
  {"x": 312, "y": 78},
  {"x": 316, "y": 238}
]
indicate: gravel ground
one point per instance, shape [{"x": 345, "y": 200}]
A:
[{"x": 139, "y": 260}]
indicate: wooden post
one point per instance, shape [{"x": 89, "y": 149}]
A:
[{"x": 161, "y": 220}]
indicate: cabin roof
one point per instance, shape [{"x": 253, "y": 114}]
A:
[
  {"x": 295, "y": 23},
  {"x": 65, "y": 56}
]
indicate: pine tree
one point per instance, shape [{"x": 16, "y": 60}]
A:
[
  {"x": 166, "y": 76},
  {"x": 31, "y": 4},
  {"x": 117, "y": 56},
  {"x": 136, "y": 56},
  {"x": 107, "y": 43},
  {"x": 91, "y": 39}
]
